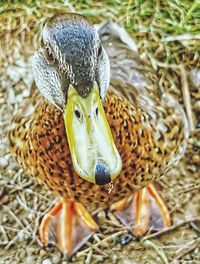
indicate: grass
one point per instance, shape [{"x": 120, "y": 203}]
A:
[{"x": 173, "y": 26}]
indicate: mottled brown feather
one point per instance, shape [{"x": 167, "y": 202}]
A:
[
  {"x": 150, "y": 132},
  {"x": 40, "y": 144}
]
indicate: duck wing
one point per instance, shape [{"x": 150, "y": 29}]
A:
[{"x": 138, "y": 84}]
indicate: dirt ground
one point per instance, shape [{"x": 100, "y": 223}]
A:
[{"x": 23, "y": 202}]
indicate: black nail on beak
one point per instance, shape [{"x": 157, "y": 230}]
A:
[{"x": 102, "y": 175}]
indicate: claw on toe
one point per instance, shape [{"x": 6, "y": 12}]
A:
[
  {"x": 68, "y": 225},
  {"x": 142, "y": 211}
]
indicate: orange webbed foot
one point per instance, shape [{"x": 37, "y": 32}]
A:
[
  {"x": 68, "y": 225},
  {"x": 142, "y": 211}
]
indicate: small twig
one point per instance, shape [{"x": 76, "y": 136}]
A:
[
  {"x": 160, "y": 251},
  {"x": 171, "y": 246},
  {"x": 89, "y": 256},
  {"x": 23, "y": 188},
  {"x": 186, "y": 96},
  {"x": 24, "y": 206},
  {"x": 167, "y": 65},
  {"x": 188, "y": 244},
  {"x": 15, "y": 217},
  {"x": 189, "y": 249},
  {"x": 13, "y": 229},
  {"x": 113, "y": 220},
  {"x": 96, "y": 238},
  {"x": 11, "y": 242},
  {"x": 195, "y": 227},
  {"x": 4, "y": 233},
  {"x": 3, "y": 243},
  {"x": 113, "y": 223},
  {"x": 96, "y": 211},
  {"x": 98, "y": 250},
  {"x": 28, "y": 226},
  {"x": 185, "y": 190},
  {"x": 181, "y": 37},
  {"x": 183, "y": 254},
  {"x": 102, "y": 241},
  {"x": 36, "y": 222},
  {"x": 171, "y": 228}
]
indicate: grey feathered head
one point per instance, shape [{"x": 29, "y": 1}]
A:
[{"x": 70, "y": 53}]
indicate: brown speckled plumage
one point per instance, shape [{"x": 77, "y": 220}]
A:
[
  {"x": 150, "y": 132},
  {"x": 40, "y": 144}
]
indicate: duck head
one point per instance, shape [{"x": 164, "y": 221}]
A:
[{"x": 71, "y": 69}]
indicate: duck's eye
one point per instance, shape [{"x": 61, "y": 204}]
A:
[
  {"x": 77, "y": 113},
  {"x": 99, "y": 51},
  {"x": 49, "y": 55}
]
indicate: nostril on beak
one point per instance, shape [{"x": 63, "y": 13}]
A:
[{"x": 102, "y": 175}]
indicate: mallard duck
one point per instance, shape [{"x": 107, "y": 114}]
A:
[{"x": 98, "y": 131}]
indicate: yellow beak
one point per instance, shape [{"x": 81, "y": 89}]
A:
[{"x": 94, "y": 154}]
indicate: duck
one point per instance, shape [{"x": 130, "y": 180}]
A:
[{"x": 97, "y": 130}]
